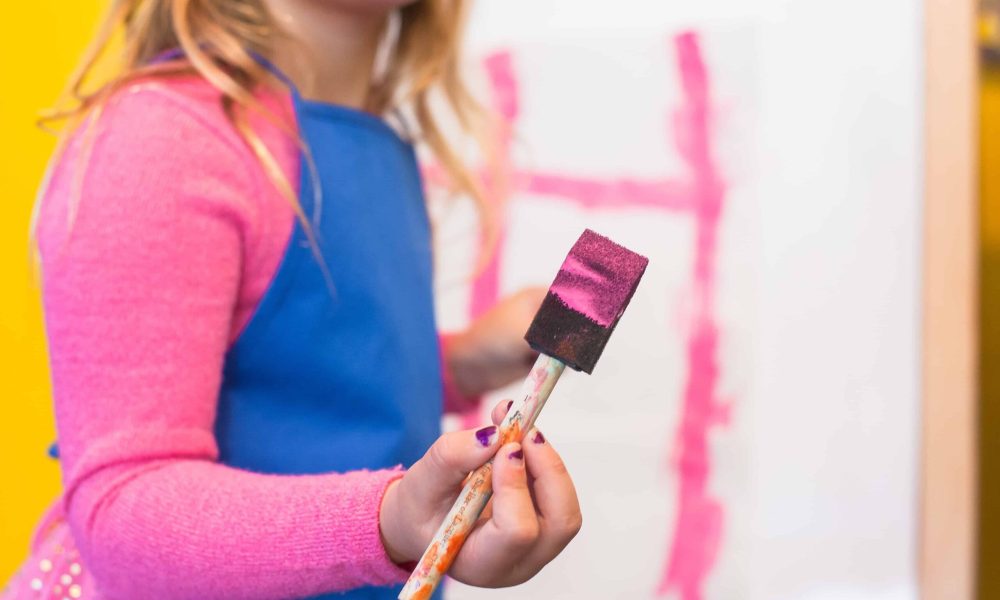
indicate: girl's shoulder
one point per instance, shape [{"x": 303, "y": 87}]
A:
[
  {"x": 189, "y": 111},
  {"x": 165, "y": 150},
  {"x": 165, "y": 128}
]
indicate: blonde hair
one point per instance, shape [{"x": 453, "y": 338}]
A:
[{"x": 220, "y": 41}]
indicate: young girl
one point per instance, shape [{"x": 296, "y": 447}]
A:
[{"x": 237, "y": 284}]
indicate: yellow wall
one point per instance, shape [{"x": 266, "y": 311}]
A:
[
  {"x": 39, "y": 44},
  {"x": 989, "y": 433}
]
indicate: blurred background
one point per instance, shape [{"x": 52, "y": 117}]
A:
[{"x": 811, "y": 422}]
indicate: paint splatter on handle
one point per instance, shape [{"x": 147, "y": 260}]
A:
[{"x": 448, "y": 540}]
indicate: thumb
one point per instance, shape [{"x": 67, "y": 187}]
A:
[
  {"x": 447, "y": 463},
  {"x": 514, "y": 516}
]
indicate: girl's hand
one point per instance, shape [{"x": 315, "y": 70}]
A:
[
  {"x": 492, "y": 352},
  {"x": 533, "y": 514}
]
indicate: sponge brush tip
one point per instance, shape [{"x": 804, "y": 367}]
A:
[{"x": 586, "y": 300}]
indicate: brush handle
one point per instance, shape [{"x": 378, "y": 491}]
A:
[{"x": 478, "y": 488}]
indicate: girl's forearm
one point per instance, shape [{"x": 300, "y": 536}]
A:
[{"x": 185, "y": 528}]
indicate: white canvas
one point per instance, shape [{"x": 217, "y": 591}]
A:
[{"x": 810, "y": 417}]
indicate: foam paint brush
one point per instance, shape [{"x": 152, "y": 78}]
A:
[{"x": 572, "y": 327}]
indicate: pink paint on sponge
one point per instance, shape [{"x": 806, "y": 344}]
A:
[
  {"x": 589, "y": 295},
  {"x": 598, "y": 278}
]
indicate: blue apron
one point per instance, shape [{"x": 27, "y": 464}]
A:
[{"x": 342, "y": 373}]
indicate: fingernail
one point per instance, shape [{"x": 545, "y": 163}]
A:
[
  {"x": 539, "y": 438},
  {"x": 509, "y": 404},
  {"x": 516, "y": 455},
  {"x": 486, "y": 435}
]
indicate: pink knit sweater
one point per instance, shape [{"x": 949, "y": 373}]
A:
[{"x": 147, "y": 281}]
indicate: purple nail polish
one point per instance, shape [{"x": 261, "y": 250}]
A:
[
  {"x": 486, "y": 435},
  {"x": 539, "y": 438},
  {"x": 516, "y": 455},
  {"x": 509, "y": 404}
]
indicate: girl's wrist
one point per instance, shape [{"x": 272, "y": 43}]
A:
[
  {"x": 463, "y": 373},
  {"x": 388, "y": 526}
]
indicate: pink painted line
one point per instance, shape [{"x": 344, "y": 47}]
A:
[
  {"x": 700, "y": 518},
  {"x": 594, "y": 194},
  {"x": 503, "y": 81},
  {"x": 616, "y": 194},
  {"x": 504, "y": 98},
  {"x": 486, "y": 286}
]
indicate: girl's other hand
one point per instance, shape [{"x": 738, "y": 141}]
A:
[
  {"x": 492, "y": 352},
  {"x": 533, "y": 514}
]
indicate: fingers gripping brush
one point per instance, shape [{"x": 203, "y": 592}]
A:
[{"x": 574, "y": 323}]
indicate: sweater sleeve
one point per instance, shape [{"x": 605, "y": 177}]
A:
[{"x": 143, "y": 251}]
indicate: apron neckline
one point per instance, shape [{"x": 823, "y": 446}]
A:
[
  {"x": 348, "y": 114},
  {"x": 322, "y": 109},
  {"x": 317, "y": 108}
]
